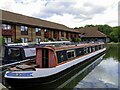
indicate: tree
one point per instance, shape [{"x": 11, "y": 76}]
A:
[
  {"x": 106, "y": 29},
  {"x": 115, "y": 34},
  {"x": 90, "y": 25}
]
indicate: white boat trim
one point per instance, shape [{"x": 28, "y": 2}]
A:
[
  {"x": 6, "y": 65},
  {"x": 44, "y": 72}
]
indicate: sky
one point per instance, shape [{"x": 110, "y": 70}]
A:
[{"x": 72, "y": 13}]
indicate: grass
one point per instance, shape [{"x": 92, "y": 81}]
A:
[{"x": 114, "y": 43}]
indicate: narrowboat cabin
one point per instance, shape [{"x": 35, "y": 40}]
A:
[
  {"x": 18, "y": 53},
  {"x": 22, "y": 52},
  {"x": 52, "y": 62}
]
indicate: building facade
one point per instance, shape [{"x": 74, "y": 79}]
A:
[
  {"x": 28, "y": 29},
  {"x": 15, "y": 27},
  {"x": 92, "y": 34}
]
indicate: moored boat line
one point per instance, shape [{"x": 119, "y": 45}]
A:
[{"x": 51, "y": 61}]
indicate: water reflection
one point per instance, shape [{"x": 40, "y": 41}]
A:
[
  {"x": 113, "y": 52},
  {"x": 106, "y": 74}
]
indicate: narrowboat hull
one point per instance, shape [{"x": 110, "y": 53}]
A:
[{"x": 49, "y": 75}]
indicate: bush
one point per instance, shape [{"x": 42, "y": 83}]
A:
[
  {"x": 76, "y": 39},
  {"x": 18, "y": 41},
  {"x": 2, "y": 40}
]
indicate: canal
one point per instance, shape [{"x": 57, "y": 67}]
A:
[
  {"x": 107, "y": 73},
  {"x": 100, "y": 72}
]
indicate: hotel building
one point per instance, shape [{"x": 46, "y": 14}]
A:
[
  {"x": 29, "y": 29},
  {"x": 16, "y": 26}
]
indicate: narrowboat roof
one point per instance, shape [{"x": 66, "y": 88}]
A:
[
  {"x": 66, "y": 47},
  {"x": 19, "y": 46}
]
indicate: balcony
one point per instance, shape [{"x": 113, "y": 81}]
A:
[
  {"x": 38, "y": 33},
  {"x": 67, "y": 35},
  {"x": 7, "y": 32},
  {"x": 24, "y": 32},
  {"x": 48, "y": 34}
]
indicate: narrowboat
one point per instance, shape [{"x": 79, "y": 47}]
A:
[
  {"x": 16, "y": 53},
  {"x": 52, "y": 63}
]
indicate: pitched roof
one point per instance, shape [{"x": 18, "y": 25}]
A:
[
  {"x": 22, "y": 19},
  {"x": 91, "y": 32}
]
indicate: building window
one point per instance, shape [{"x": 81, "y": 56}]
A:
[
  {"x": 24, "y": 40},
  {"x": 70, "y": 54},
  {"x": 24, "y": 28},
  {"x": 8, "y": 39},
  {"x": 62, "y": 34},
  {"x": 37, "y": 40},
  {"x": 38, "y": 31},
  {"x": 6, "y": 27}
]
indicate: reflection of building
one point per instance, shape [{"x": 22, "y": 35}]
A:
[
  {"x": 17, "y": 26},
  {"x": 90, "y": 34}
]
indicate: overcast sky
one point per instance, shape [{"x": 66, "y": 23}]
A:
[{"x": 72, "y": 13}]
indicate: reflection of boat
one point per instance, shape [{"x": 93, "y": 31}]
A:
[{"x": 51, "y": 63}]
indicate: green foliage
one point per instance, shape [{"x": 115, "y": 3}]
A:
[
  {"x": 51, "y": 39},
  {"x": 76, "y": 39},
  {"x": 113, "y": 51},
  {"x": 64, "y": 39},
  {"x": 2, "y": 40},
  {"x": 18, "y": 41}
]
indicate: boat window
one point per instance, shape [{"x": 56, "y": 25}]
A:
[
  {"x": 85, "y": 50},
  {"x": 70, "y": 54},
  {"x": 101, "y": 46},
  {"x": 14, "y": 53},
  {"x": 93, "y": 48},
  {"x": 90, "y": 49},
  {"x": 30, "y": 52}
]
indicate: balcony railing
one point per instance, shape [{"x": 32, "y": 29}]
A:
[
  {"x": 48, "y": 34},
  {"x": 38, "y": 33},
  {"x": 7, "y": 32},
  {"x": 24, "y": 32}
]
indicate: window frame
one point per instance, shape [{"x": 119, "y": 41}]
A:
[
  {"x": 37, "y": 40},
  {"x": 8, "y": 39},
  {"x": 62, "y": 33},
  {"x": 6, "y": 27},
  {"x": 23, "y": 28},
  {"x": 71, "y": 52},
  {"x": 24, "y": 40},
  {"x": 37, "y": 30}
]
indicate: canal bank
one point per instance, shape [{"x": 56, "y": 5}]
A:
[{"x": 2, "y": 87}]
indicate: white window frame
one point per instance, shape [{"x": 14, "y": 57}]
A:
[
  {"x": 6, "y": 27},
  {"x": 8, "y": 39},
  {"x": 37, "y": 40},
  {"x": 24, "y": 40},
  {"x": 37, "y": 29},
  {"x": 71, "y": 51},
  {"x": 23, "y": 28}
]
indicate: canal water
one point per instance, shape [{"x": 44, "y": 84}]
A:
[
  {"x": 107, "y": 73},
  {"x": 101, "y": 72}
]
